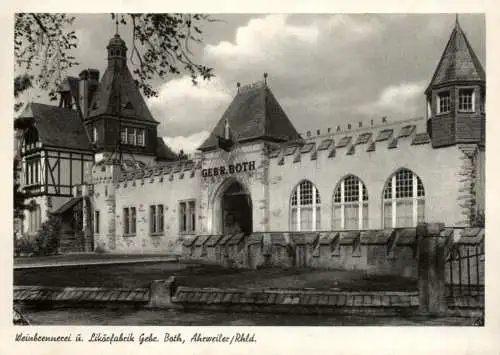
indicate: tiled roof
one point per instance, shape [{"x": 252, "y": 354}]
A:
[
  {"x": 325, "y": 144},
  {"x": 384, "y": 135},
  {"x": 68, "y": 205},
  {"x": 458, "y": 61},
  {"x": 274, "y": 153},
  {"x": 344, "y": 141},
  {"x": 364, "y": 138},
  {"x": 421, "y": 138},
  {"x": 290, "y": 150},
  {"x": 254, "y": 114},
  {"x": 119, "y": 86},
  {"x": 307, "y": 148},
  {"x": 57, "y": 127},
  {"x": 406, "y": 131}
]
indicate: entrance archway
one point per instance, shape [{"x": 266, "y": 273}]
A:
[{"x": 235, "y": 209}]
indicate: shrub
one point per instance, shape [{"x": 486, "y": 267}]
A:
[
  {"x": 48, "y": 236},
  {"x": 478, "y": 219},
  {"x": 24, "y": 246},
  {"x": 99, "y": 249}
]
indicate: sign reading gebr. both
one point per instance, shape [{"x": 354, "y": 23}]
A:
[{"x": 229, "y": 169}]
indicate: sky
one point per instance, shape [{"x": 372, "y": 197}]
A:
[{"x": 324, "y": 69}]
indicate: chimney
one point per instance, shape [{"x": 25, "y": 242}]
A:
[
  {"x": 93, "y": 84},
  {"x": 83, "y": 92},
  {"x": 89, "y": 81}
]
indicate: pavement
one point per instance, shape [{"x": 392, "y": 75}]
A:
[{"x": 89, "y": 259}]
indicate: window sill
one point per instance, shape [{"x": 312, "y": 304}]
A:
[
  {"x": 37, "y": 184},
  {"x": 157, "y": 234},
  {"x": 463, "y": 111},
  {"x": 442, "y": 113},
  {"x": 129, "y": 235},
  {"x": 187, "y": 232},
  {"x": 133, "y": 145}
]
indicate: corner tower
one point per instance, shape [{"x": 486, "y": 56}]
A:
[
  {"x": 118, "y": 120},
  {"x": 456, "y": 95}
]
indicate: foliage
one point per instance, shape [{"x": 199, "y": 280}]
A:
[
  {"x": 19, "y": 195},
  {"x": 182, "y": 155},
  {"x": 99, "y": 249},
  {"x": 48, "y": 236},
  {"x": 161, "y": 46},
  {"x": 25, "y": 246},
  {"x": 43, "y": 45},
  {"x": 478, "y": 219}
]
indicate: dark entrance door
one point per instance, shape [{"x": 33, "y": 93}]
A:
[{"x": 236, "y": 210}]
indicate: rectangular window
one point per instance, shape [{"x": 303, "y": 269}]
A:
[
  {"x": 97, "y": 222},
  {"x": 466, "y": 100},
  {"x": 131, "y": 136},
  {"x": 33, "y": 172},
  {"x": 159, "y": 218},
  {"x": 192, "y": 216},
  {"x": 140, "y": 137},
  {"x": 126, "y": 215},
  {"x": 95, "y": 136},
  {"x": 187, "y": 216},
  {"x": 132, "y": 220},
  {"x": 156, "y": 219},
  {"x": 443, "y": 104},
  {"x": 129, "y": 221},
  {"x": 152, "y": 219},
  {"x": 123, "y": 135},
  {"x": 182, "y": 217}
]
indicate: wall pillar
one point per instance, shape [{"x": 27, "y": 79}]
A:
[
  {"x": 431, "y": 268},
  {"x": 161, "y": 293}
]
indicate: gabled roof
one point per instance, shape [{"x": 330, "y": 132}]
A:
[
  {"x": 163, "y": 151},
  {"x": 458, "y": 61},
  {"x": 119, "y": 86},
  {"x": 254, "y": 114},
  {"x": 56, "y": 126}
]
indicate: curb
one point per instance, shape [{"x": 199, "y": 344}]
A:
[{"x": 96, "y": 262}]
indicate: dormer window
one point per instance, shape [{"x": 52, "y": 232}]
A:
[
  {"x": 443, "y": 102},
  {"x": 466, "y": 100}
]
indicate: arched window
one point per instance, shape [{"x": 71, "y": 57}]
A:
[
  {"x": 403, "y": 200},
  {"x": 350, "y": 204},
  {"x": 305, "y": 207}
]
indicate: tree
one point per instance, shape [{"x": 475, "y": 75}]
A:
[
  {"x": 19, "y": 195},
  {"x": 43, "y": 45}
]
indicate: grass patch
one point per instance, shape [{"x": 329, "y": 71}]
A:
[{"x": 198, "y": 275}]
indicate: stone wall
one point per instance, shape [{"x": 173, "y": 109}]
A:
[
  {"x": 382, "y": 251},
  {"x": 386, "y": 251}
]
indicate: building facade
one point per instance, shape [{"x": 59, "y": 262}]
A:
[{"x": 255, "y": 173}]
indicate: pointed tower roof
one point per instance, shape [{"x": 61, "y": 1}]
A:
[
  {"x": 118, "y": 92},
  {"x": 119, "y": 89},
  {"x": 253, "y": 114},
  {"x": 458, "y": 61}
]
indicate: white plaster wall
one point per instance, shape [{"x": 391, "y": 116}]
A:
[{"x": 436, "y": 167}]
